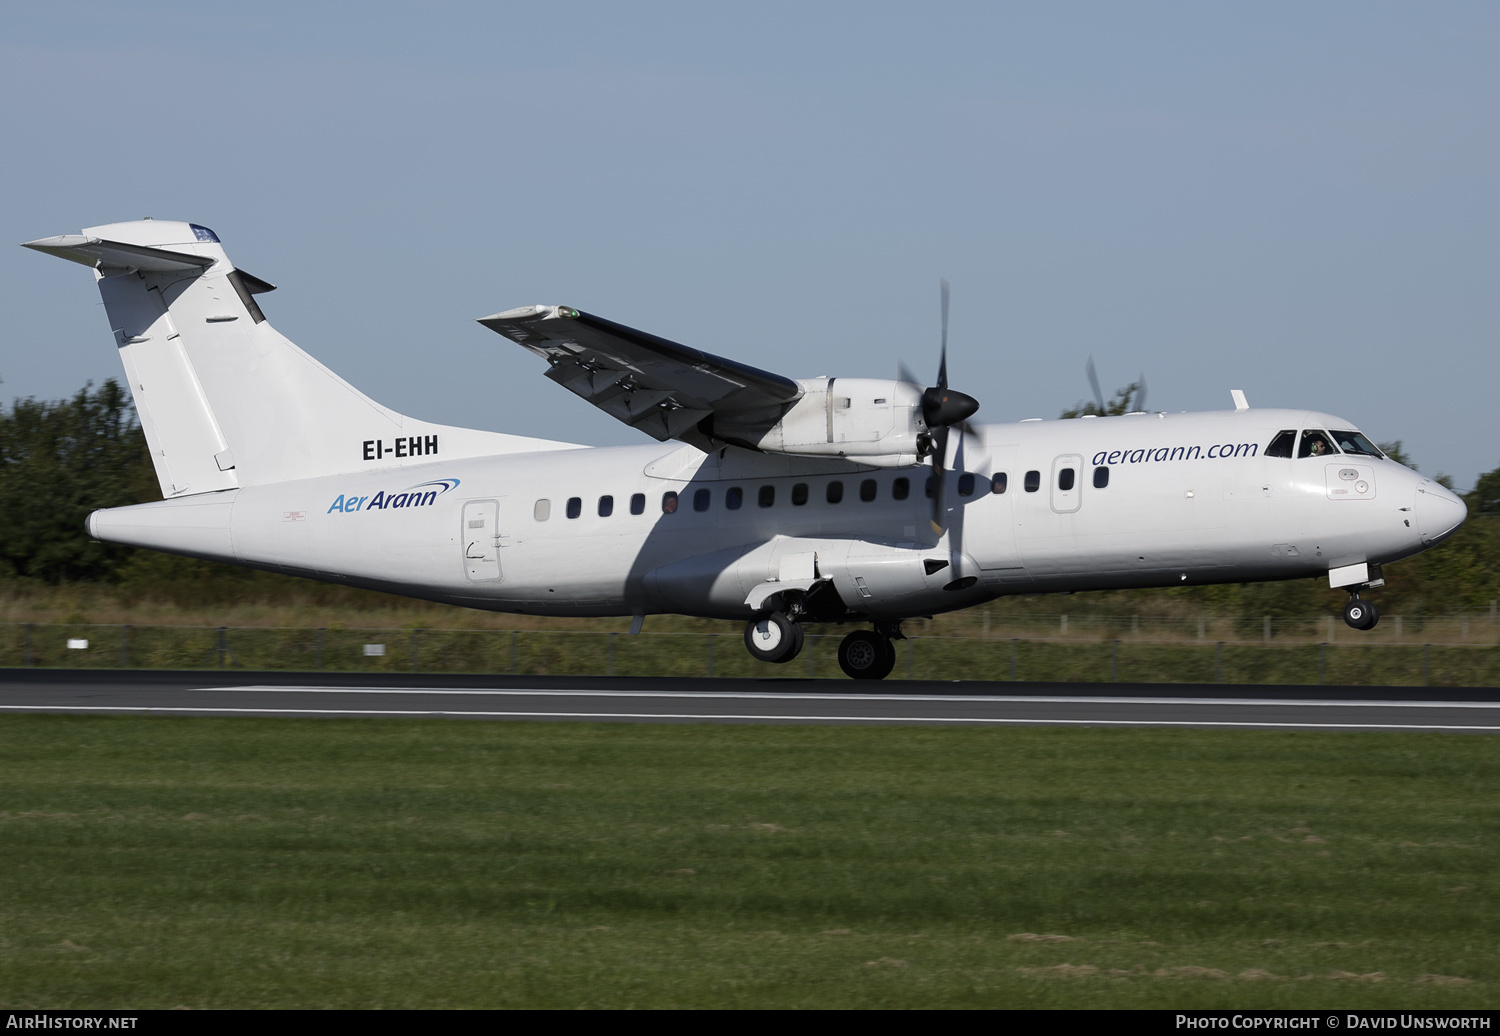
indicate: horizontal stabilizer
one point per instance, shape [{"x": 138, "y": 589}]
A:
[{"x": 117, "y": 255}]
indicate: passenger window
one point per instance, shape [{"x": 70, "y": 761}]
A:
[
  {"x": 669, "y": 503},
  {"x": 867, "y": 490},
  {"x": 734, "y": 498},
  {"x": 638, "y": 503},
  {"x": 1033, "y": 481},
  {"x": 606, "y": 506},
  {"x": 1281, "y": 446},
  {"x": 1000, "y": 483},
  {"x": 929, "y": 487},
  {"x": 575, "y": 506},
  {"x": 542, "y": 511},
  {"x": 1315, "y": 444},
  {"x": 901, "y": 488},
  {"x": 1065, "y": 479},
  {"x": 767, "y": 496},
  {"x": 1101, "y": 477},
  {"x": 835, "y": 492},
  {"x": 966, "y": 484},
  {"x": 799, "y": 494},
  {"x": 701, "y": 500}
]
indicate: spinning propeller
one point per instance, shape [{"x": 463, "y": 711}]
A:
[
  {"x": 942, "y": 408},
  {"x": 1137, "y": 404}
]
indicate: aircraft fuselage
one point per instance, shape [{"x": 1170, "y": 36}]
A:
[{"x": 1186, "y": 499}]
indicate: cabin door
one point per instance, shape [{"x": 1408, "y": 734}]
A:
[
  {"x": 1067, "y": 479},
  {"x": 481, "y": 540}
]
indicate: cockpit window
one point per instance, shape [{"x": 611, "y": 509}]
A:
[
  {"x": 1315, "y": 444},
  {"x": 1281, "y": 446},
  {"x": 203, "y": 233},
  {"x": 1357, "y": 444}
]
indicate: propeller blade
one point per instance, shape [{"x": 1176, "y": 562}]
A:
[
  {"x": 942, "y": 381},
  {"x": 939, "y": 477},
  {"x": 1094, "y": 384},
  {"x": 1140, "y": 395},
  {"x": 903, "y": 372}
]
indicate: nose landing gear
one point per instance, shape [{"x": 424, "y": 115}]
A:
[{"x": 1361, "y": 614}]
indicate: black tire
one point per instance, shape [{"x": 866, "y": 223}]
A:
[
  {"x": 866, "y": 655},
  {"x": 1361, "y": 615},
  {"x": 773, "y": 638}
]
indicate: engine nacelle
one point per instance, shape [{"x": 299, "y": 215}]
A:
[{"x": 870, "y": 420}]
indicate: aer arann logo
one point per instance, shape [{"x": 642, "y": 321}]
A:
[{"x": 420, "y": 495}]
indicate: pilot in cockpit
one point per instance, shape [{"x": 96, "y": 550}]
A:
[{"x": 1315, "y": 444}]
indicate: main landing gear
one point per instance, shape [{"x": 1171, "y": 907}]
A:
[
  {"x": 773, "y": 637},
  {"x": 863, "y": 655},
  {"x": 1361, "y": 614},
  {"x": 866, "y": 655}
]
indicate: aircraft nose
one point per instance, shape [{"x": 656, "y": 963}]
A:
[{"x": 1439, "y": 512}]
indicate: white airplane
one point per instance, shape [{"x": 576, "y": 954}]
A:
[{"x": 762, "y": 498}]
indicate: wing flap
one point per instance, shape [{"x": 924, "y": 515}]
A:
[{"x": 659, "y": 386}]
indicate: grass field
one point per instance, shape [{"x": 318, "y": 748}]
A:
[{"x": 149, "y": 863}]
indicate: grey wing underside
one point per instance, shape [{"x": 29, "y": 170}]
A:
[{"x": 667, "y": 390}]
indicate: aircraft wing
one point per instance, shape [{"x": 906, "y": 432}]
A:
[{"x": 660, "y": 387}]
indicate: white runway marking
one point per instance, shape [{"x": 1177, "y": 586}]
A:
[
  {"x": 753, "y": 717},
  {"x": 798, "y": 696}
]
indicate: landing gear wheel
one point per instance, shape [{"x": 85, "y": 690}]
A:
[
  {"x": 865, "y": 655},
  {"x": 1361, "y": 615},
  {"x": 773, "y": 638}
]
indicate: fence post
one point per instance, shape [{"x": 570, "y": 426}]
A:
[
  {"x": 911, "y": 658},
  {"x": 1426, "y": 668},
  {"x": 512, "y": 652},
  {"x": 125, "y": 646},
  {"x": 223, "y": 644},
  {"x": 1135, "y": 625},
  {"x": 28, "y": 643},
  {"x": 711, "y": 637},
  {"x": 414, "y": 649},
  {"x": 1012, "y": 659},
  {"x": 611, "y": 653},
  {"x": 1219, "y": 662},
  {"x": 1064, "y": 628},
  {"x": 1398, "y": 627},
  {"x": 811, "y": 657},
  {"x": 320, "y": 648},
  {"x": 1322, "y": 660},
  {"x": 1114, "y": 662}
]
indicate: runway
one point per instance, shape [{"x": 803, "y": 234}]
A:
[{"x": 671, "y": 700}]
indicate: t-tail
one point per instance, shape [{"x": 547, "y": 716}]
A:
[{"x": 224, "y": 400}]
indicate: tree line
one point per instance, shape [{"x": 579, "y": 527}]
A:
[{"x": 62, "y": 459}]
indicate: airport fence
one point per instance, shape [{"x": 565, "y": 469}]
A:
[{"x": 1290, "y": 653}]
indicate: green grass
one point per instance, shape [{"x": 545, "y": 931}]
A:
[
  {"x": 721, "y": 653},
  {"x": 150, "y": 863}
]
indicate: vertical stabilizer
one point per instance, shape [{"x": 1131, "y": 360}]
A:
[{"x": 223, "y": 398}]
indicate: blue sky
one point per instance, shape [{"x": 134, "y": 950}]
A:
[{"x": 1294, "y": 199}]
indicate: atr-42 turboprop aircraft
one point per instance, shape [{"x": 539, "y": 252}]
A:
[{"x": 773, "y": 500}]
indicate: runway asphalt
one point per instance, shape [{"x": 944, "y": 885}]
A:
[{"x": 675, "y": 700}]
